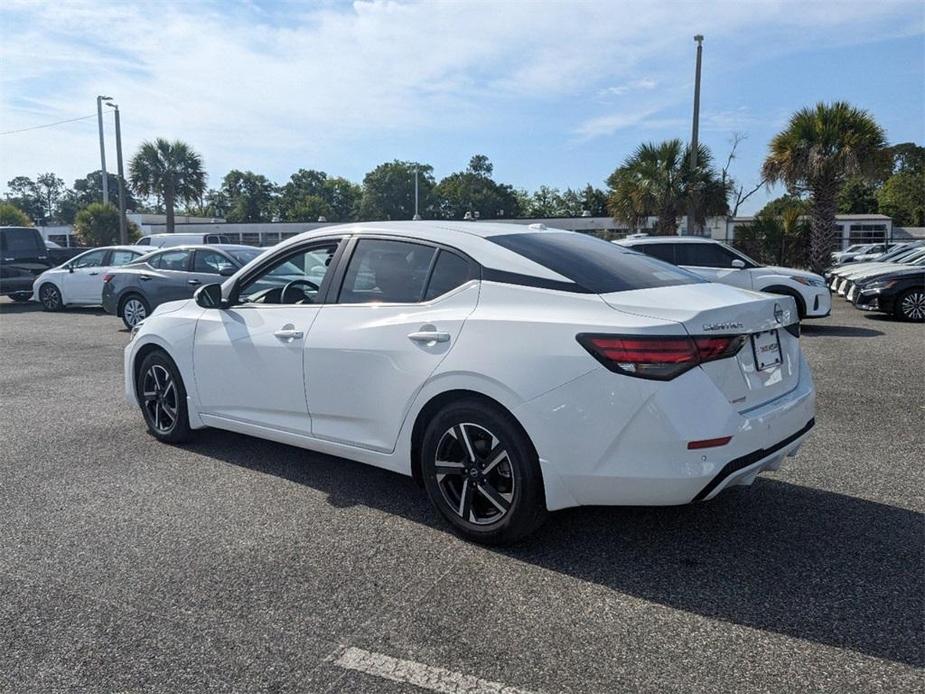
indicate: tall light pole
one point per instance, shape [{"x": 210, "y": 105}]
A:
[
  {"x": 99, "y": 118},
  {"x": 123, "y": 225},
  {"x": 692, "y": 225},
  {"x": 416, "y": 216}
]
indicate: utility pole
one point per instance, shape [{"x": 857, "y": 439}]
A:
[
  {"x": 416, "y": 216},
  {"x": 123, "y": 224},
  {"x": 692, "y": 226},
  {"x": 99, "y": 118}
]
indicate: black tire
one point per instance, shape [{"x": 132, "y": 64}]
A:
[
  {"x": 162, "y": 398},
  {"x": 50, "y": 297},
  {"x": 21, "y": 297},
  {"x": 491, "y": 490},
  {"x": 133, "y": 309},
  {"x": 910, "y": 305}
]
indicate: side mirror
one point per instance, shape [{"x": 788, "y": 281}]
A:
[
  {"x": 70, "y": 268},
  {"x": 738, "y": 264},
  {"x": 227, "y": 271},
  {"x": 209, "y": 296}
]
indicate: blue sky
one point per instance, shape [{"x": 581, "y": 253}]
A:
[{"x": 554, "y": 93}]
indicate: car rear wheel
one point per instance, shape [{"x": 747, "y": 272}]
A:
[
  {"x": 911, "y": 305},
  {"x": 162, "y": 397},
  {"x": 21, "y": 297},
  {"x": 134, "y": 309},
  {"x": 50, "y": 297},
  {"x": 482, "y": 474}
]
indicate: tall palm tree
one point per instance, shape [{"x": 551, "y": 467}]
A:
[
  {"x": 657, "y": 181},
  {"x": 820, "y": 148},
  {"x": 170, "y": 170}
]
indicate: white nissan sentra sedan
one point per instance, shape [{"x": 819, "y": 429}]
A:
[{"x": 511, "y": 370}]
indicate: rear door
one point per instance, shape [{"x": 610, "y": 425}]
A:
[
  {"x": 170, "y": 280},
  {"x": 712, "y": 261},
  {"x": 399, "y": 309}
]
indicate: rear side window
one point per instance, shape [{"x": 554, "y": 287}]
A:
[
  {"x": 210, "y": 262},
  {"x": 662, "y": 251},
  {"x": 170, "y": 260},
  {"x": 120, "y": 257},
  {"x": 450, "y": 271},
  {"x": 593, "y": 264},
  {"x": 392, "y": 272},
  {"x": 143, "y": 242}
]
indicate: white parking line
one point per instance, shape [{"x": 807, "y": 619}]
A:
[{"x": 435, "y": 679}]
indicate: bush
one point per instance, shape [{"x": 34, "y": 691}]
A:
[
  {"x": 10, "y": 215},
  {"x": 98, "y": 225},
  {"x": 767, "y": 241}
]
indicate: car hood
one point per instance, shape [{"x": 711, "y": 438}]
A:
[
  {"x": 790, "y": 272},
  {"x": 901, "y": 271},
  {"x": 170, "y": 307}
]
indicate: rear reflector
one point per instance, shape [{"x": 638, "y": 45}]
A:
[
  {"x": 709, "y": 443},
  {"x": 107, "y": 278},
  {"x": 658, "y": 357}
]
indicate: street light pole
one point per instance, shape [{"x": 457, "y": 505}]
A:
[
  {"x": 123, "y": 224},
  {"x": 99, "y": 118},
  {"x": 692, "y": 225},
  {"x": 416, "y": 216}
]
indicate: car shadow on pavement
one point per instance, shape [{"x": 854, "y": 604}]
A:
[
  {"x": 808, "y": 330},
  {"x": 808, "y": 563},
  {"x": 35, "y": 307}
]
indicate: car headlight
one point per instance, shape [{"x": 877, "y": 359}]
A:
[
  {"x": 810, "y": 281},
  {"x": 878, "y": 285}
]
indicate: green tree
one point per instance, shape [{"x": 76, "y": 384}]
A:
[
  {"x": 97, "y": 224},
  {"x": 857, "y": 196},
  {"x": 89, "y": 189},
  {"x": 343, "y": 197},
  {"x": 310, "y": 209},
  {"x": 902, "y": 197},
  {"x": 657, "y": 181},
  {"x": 171, "y": 171},
  {"x": 820, "y": 149},
  {"x": 49, "y": 189},
  {"x": 25, "y": 195},
  {"x": 907, "y": 157},
  {"x": 340, "y": 197},
  {"x": 216, "y": 204},
  {"x": 250, "y": 196},
  {"x": 388, "y": 191},
  {"x": 10, "y": 215},
  {"x": 472, "y": 191}
]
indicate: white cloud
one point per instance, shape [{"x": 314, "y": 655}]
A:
[{"x": 255, "y": 86}]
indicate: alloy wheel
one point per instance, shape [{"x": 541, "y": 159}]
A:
[
  {"x": 913, "y": 305},
  {"x": 134, "y": 312},
  {"x": 50, "y": 297},
  {"x": 475, "y": 474},
  {"x": 161, "y": 401}
]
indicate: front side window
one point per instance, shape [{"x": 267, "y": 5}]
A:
[
  {"x": 381, "y": 271},
  {"x": 294, "y": 279},
  {"x": 594, "y": 265},
  {"x": 704, "y": 255},
  {"x": 92, "y": 259},
  {"x": 121, "y": 257},
  {"x": 170, "y": 260},
  {"x": 212, "y": 263}
]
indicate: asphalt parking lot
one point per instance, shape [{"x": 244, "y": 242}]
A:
[{"x": 234, "y": 564}]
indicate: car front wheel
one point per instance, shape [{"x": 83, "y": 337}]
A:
[
  {"x": 50, "y": 297},
  {"x": 162, "y": 396},
  {"x": 482, "y": 474},
  {"x": 911, "y": 305}
]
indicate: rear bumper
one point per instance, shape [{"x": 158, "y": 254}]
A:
[
  {"x": 109, "y": 302},
  {"x": 603, "y": 442}
]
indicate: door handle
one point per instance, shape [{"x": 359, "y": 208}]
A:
[
  {"x": 193, "y": 282},
  {"x": 145, "y": 278},
  {"x": 93, "y": 273},
  {"x": 429, "y": 336},
  {"x": 289, "y": 334}
]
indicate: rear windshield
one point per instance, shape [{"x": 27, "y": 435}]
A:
[
  {"x": 21, "y": 241},
  {"x": 594, "y": 264}
]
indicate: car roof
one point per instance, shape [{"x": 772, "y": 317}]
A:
[
  {"x": 668, "y": 239},
  {"x": 194, "y": 246},
  {"x": 182, "y": 233}
]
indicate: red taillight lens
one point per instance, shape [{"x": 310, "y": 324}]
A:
[
  {"x": 107, "y": 278},
  {"x": 658, "y": 357}
]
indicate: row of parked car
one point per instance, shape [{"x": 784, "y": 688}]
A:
[{"x": 892, "y": 283}]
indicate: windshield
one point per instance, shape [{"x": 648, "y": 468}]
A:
[{"x": 593, "y": 264}]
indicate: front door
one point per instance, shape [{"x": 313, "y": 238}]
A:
[
  {"x": 712, "y": 262},
  {"x": 248, "y": 358},
  {"x": 83, "y": 284},
  {"x": 399, "y": 312}
]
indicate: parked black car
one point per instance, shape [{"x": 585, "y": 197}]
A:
[
  {"x": 24, "y": 256},
  {"x": 900, "y": 293},
  {"x": 134, "y": 290}
]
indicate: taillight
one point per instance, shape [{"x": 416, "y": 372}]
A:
[
  {"x": 658, "y": 357},
  {"x": 107, "y": 278}
]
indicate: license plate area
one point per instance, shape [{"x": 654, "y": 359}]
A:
[{"x": 766, "y": 349}]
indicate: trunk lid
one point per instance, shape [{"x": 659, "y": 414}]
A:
[{"x": 713, "y": 309}]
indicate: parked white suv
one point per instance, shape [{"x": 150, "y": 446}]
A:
[
  {"x": 182, "y": 239},
  {"x": 718, "y": 262}
]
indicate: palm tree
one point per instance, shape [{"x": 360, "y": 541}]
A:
[
  {"x": 818, "y": 151},
  {"x": 657, "y": 181},
  {"x": 170, "y": 170}
]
